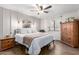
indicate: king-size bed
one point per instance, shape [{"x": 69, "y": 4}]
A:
[{"x": 34, "y": 41}]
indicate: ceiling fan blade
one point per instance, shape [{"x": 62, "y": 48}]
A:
[
  {"x": 34, "y": 10},
  {"x": 45, "y": 11},
  {"x": 38, "y": 13},
  {"x": 48, "y": 7},
  {"x": 37, "y": 5},
  {"x": 41, "y": 7}
]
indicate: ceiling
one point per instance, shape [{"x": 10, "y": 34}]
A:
[{"x": 55, "y": 10}]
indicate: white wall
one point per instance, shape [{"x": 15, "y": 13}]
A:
[
  {"x": 7, "y": 16},
  {"x": 9, "y": 21},
  {"x": 70, "y": 14},
  {"x": 1, "y": 21},
  {"x": 6, "y": 22}
]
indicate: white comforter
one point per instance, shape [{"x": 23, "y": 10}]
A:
[{"x": 36, "y": 44}]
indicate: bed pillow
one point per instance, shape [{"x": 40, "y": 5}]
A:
[
  {"x": 29, "y": 30},
  {"x": 24, "y": 31},
  {"x": 34, "y": 31}
]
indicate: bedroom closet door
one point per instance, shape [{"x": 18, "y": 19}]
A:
[{"x": 64, "y": 32}]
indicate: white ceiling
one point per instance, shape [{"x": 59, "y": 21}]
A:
[{"x": 55, "y": 10}]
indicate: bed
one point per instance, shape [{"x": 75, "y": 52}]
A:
[{"x": 34, "y": 41}]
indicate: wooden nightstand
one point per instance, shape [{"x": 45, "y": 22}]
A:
[{"x": 6, "y": 43}]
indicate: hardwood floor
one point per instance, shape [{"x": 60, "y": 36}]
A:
[{"x": 60, "y": 49}]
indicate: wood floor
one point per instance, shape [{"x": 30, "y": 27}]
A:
[{"x": 60, "y": 49}]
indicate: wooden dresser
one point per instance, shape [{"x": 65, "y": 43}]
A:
[
  {"x": 6, "y": 42},
  {"x": 70, "y": 33}
]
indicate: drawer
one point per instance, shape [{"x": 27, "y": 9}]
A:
[
  {"x": 7, "y": 41},
  {"x": 7, "y": 46}
]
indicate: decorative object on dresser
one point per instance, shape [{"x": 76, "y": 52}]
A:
[
  {"x": 6, "y": 43},
  {"x": 70, "y": 33}
]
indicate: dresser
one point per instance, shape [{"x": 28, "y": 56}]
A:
[
  {"x": 6, "y": 43},
  {"x": 70, "y": 33}
]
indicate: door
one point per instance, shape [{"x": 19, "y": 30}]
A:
[{"x": 63, "y": 31}]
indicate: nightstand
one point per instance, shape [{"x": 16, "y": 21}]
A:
[{"x": 6, "y": 43}]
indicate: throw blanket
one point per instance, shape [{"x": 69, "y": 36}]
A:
[{"x": 29, "y": 38}]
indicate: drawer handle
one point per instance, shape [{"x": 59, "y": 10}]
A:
[
  {"x": 7, "y": 42},
  {"x": 8, "y": 45},
  {"x": 69, "y": 38}
]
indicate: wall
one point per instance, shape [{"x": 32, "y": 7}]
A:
[
  {"x": 9, "y": 21},
  {"x": 47, "y": 20},
  {"x": 70, "y": 14},
  {"x": 6, "y": 22},
  {"x": 9, "y": 18},
  {"x": 1, "y": 21}
]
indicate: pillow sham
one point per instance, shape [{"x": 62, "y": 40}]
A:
[{"x": 24, "y": 31}]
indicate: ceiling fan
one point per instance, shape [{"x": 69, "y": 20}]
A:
[{"x": 41, "y": 8}]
